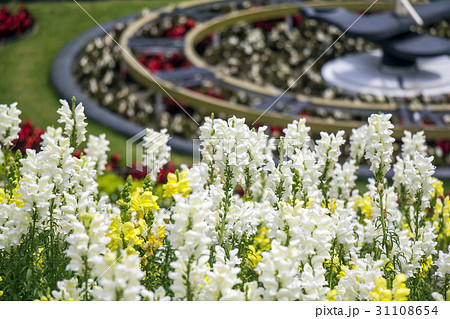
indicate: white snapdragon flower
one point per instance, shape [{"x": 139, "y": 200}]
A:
[
  {"x": 87, "y": 242},
  {"x": 223, "y": 277},
  {"x": 425, "y": 170},
  {"x": 243, "y": 218},
  {"x": 358, "y": 141},
  {"x": 278, "y": 272},
  {"x": 198, "y": 177},
  {"x": 119, "y": 277},
  {"x": 252, "y": 292},
  {"x": 314, "y": 283},
  {"x": 36, "y": 186},
  {"x": 310, "y": 229},
  {"x": 156, "y": 151},
  {"x": 158, "y": 295},
  {"x": 14, "y": 223},
  {"x": 58, "y": 161},
  {"x": 304, "y": 164},
  {"x": 344, "y": 180},
  {"x": 379, "y": 144},
  {"x": 74, "y": 122},
  {"x": 345, "y": 221},
  {"x": 443, "y": 264},
  {"x": 97, "y": 149},
  {"x": 279, "y": 184},
  {"x": 414, "y": 173},
  {"x": 188, "y": 234},
  {"x": 414, "y": 251},
  {"x": 328, "y": 152},
  {"x": 296, "y": 137},
  {"x": 84, "y": 176},
  {"x": 9, "y": 124},
  {"x": 359, "y": 281},
  {"x": 68, "y": 290},
  {"x": 414, "y": 143}
]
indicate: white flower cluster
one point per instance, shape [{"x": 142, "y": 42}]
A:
[
  {"x": 358, "y": 141},
  {"x": 119, "y": 278},
  {"x": 9, "y": 124},
  {"x": 328, "y": 152},
  {"x": 231, "y": 144},
  {"x": 74, "y": 122},
  {"x": 443, "y": 264},
  {"x": 156, "y": 151},
  {"x": 296, "y": 137},
  {"x": 97, "y": 149},
  {"x": 189, "y": 236},
  {"x": 379, "y": 143}
]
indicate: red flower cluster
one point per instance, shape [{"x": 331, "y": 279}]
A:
[
  {"x": 163, "y": 62},
  {"x": 29, "y": 137},
  {"x": 14, "y": 24},
  {"x": 162, "y": 175},
  {"x": 179, "y": 30},
  {"x": 444, "y": 145}
]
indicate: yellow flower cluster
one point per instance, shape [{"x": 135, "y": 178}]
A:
[
  {"x": 441, "y": 218},
  {"x": 154, "y": 241},
  {"x": 11, "y": 199},
  {"x": 438, "y": 188},
  {"x": 261, "y": 243},
  {"x": 126, "y": 235},
  {"x": 363, "y": 204},
  {"x": 337, "y": 266},
  {"x": 1, "y": 291},
  {"x": 399, "y": 292},
  {"x": 177, "y": 184},
  {"x": 143, "y": 202},
  {"x": 133, "y": 234},
  {"x": 425, "y": 265}
]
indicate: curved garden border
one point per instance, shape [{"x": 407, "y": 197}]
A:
[
  {"x": 65, "y": 83},
  {"x": 210, "y": 104}
]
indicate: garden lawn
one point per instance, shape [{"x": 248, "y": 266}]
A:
[{"x": 25, "y": 65}]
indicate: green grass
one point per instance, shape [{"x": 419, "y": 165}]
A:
[{"x": 25, "y": 65}]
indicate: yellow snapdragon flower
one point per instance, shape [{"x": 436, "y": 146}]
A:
[
  {"x": 125, "y": 235},
  {"x": 143, "y": 203},
  {"x": 11, "y": 199},
  {"x": 2, "y": 196},
  {"x": 261, "y": 243},
  {"x": 425, "y": 265},
  {"x": 399, "y": 291},
  {"x": 399, "y": 288},
  {"x": 381, "y": 292},
  {"x": 153, "y": 243},
  {"x": 441, "y": 218},
  {"x": 331, "y": 294},
  {"x": 177, "y": 184},
  {"x": 1, "y": 291},
  {"x": 438, "y": 188},
  {"x": 363, "y": 203}
]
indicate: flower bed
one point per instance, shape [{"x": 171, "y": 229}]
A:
[
  {"x": 14, "y": 24},
  {"x": 269, "y": 53},
  {"x": 236, "y": 226}
]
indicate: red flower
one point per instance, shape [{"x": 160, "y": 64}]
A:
[{"x": 13, "y": 24}]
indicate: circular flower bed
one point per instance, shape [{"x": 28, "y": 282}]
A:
[
  {"x": 269, "y": 53},
  {"x": 13, "y": 25}
]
